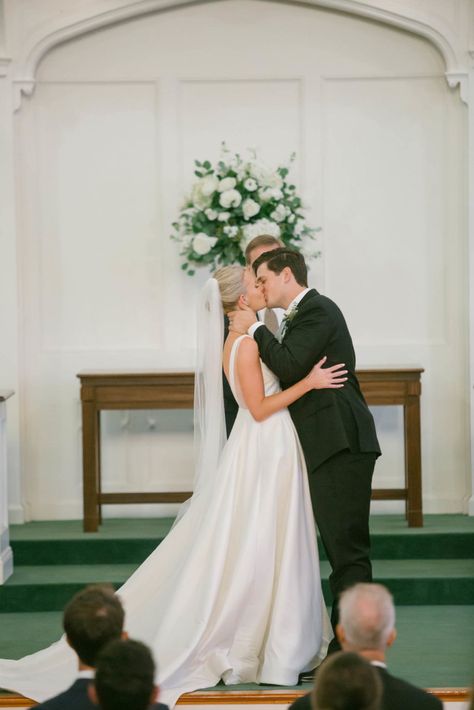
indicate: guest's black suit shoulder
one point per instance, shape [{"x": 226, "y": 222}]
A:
[
  {"x": 328, "y": 420},
  {"x": 74, "y": 698},
  {"x": 77, "y": 698},
  {"x": 303, "y": 703},
  {"x": 397, "y": 695}
]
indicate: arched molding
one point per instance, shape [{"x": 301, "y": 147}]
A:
[{"x": 26, "y": 67}]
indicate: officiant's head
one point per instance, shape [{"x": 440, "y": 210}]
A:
[
  {"x": 282, "y": 274},
  {"x": 237, "y": 290},
  {"x": 259, "y": 245},
  {"x": 92, "y": 619}
]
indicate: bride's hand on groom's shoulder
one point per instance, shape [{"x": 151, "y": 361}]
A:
[
  {"x": 241, "y": 320},
  {"x": 327, "y": 377}
]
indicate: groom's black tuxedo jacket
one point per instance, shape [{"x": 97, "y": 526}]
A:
[
  {"x": 328, "y": 420},
  {"x": 397, "y": 695},
  {"x": 77, "y": 698}
]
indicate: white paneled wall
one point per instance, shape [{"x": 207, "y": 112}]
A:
[{"x": 104, "y": 153}]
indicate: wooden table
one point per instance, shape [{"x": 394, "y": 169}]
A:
[{"x": 108, "y": 390}]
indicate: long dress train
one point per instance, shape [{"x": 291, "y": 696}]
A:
[{"x": 233, "y": 592}]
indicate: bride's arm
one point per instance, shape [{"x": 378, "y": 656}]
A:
[{"x": 249, "y": 372}]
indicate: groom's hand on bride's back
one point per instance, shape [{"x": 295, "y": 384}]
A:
[{"x": 241, "y": 320}]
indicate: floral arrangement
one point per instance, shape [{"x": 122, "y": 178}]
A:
[{"x": 233, "y": 202}]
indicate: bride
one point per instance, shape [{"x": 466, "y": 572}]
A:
[{"x": 233, "y": 593}]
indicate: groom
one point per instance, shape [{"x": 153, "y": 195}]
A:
[{"x": 335, "y": 426}]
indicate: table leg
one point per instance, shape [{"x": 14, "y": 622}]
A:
[
  {"x": 414, "y": 512},
  {"x": 99, "y": 471},
  {"x": 90, "y": 461}
]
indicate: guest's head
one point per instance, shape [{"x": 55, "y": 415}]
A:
[
  {"x": 259, "y": 245},
  {"x": 366, "y": 620},
  {"x": 346, "y": 681},
  {"x": 237, "y": 290},
  {"x": 124, "y": 677},
  {"x": 92, "y": 619},
  {"x": 282, "y": 274}
]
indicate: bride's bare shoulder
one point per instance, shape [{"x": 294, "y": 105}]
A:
[{"x": 248, "y": 349}]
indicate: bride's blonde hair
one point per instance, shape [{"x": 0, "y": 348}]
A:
[{"x": 231, "y": 285}]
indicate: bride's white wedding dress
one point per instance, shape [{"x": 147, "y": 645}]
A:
[{"x": 234, "y": 591}]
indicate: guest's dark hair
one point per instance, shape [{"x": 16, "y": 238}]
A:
[
  {"x": 346, "y": 681},
  {"x": 125, "y": 676},
  {"x": 263, "y": 240},
  {"x": 93, "y": 618},
  {"x": 278, "y": 259}
]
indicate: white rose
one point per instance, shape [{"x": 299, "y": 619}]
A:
[
  {"x": 250, "y": 185},
  {"x": 291, "y": 218},
  {"x": 199, "y": 199},
  {"x": 208, "y": 184},
  {"x": 261, "y": 226},
  {"x": 270, "y": 193},
  {"x": 230, "y": 198},
  {"x": 279, "y": 213},
  {"x": 202, "y": 243},
  {"x": 272, "y": 180},
  {"x": 227, "y": 183},
  {"x": 250, "y": 208},
  {"x": 231, "y": 231},
  {"x": 211, "y": 214},
  {"x": 223, "y": 216}
]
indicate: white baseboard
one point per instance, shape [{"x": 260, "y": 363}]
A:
[
  {"x": 72, "y": 510},
  {"x": 16, "y": 515},
  {"x": 438, "y": 506},
  {"x": 6, "y": 564}
]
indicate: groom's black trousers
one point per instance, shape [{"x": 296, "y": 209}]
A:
[{"x": 340, "y": 494}]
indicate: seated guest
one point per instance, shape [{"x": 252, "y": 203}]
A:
[
  {"x": 125, "y": 677},
  {"x": 346, "y": 681},
  {"x": 92, "y": 619},
  {"x": 367, "y": 627}
]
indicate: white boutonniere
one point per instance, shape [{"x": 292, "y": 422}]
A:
[
  {"x": 288, "y": 317},
  {"x": 286, "y": 320}
]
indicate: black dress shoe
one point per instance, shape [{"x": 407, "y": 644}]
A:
[{"x": 307, "y": 676}]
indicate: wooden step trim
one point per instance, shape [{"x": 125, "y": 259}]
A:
[{"x": 247, "y": 697}]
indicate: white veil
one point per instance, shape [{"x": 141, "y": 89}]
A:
[{"x": 209, "y": 419}]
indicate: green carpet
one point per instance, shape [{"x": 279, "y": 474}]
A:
[
  {"x": 53, "y": 560},
  {"x": 430, "y": 571},
  {"x": 131, "y": 540},
  {"x": 434, "y": 647},
  {"x": 422, "y": 582}
]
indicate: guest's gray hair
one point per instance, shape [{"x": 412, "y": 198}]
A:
[{"x": 367, "y": 616}]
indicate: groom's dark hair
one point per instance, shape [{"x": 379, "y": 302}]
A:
[
  {"x": 92, "y": 619},
  {"x": 278, "y": 259}
]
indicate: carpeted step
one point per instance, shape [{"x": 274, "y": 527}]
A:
[
  {"x": 131, "y": 541},
  {"x": 414, "y": 582}
]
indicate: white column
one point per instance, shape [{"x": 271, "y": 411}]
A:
[
  {"x": 470, "y": 168},
  {"x": 9, "y": 288},
  {"x": 6, "y": 555}
]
